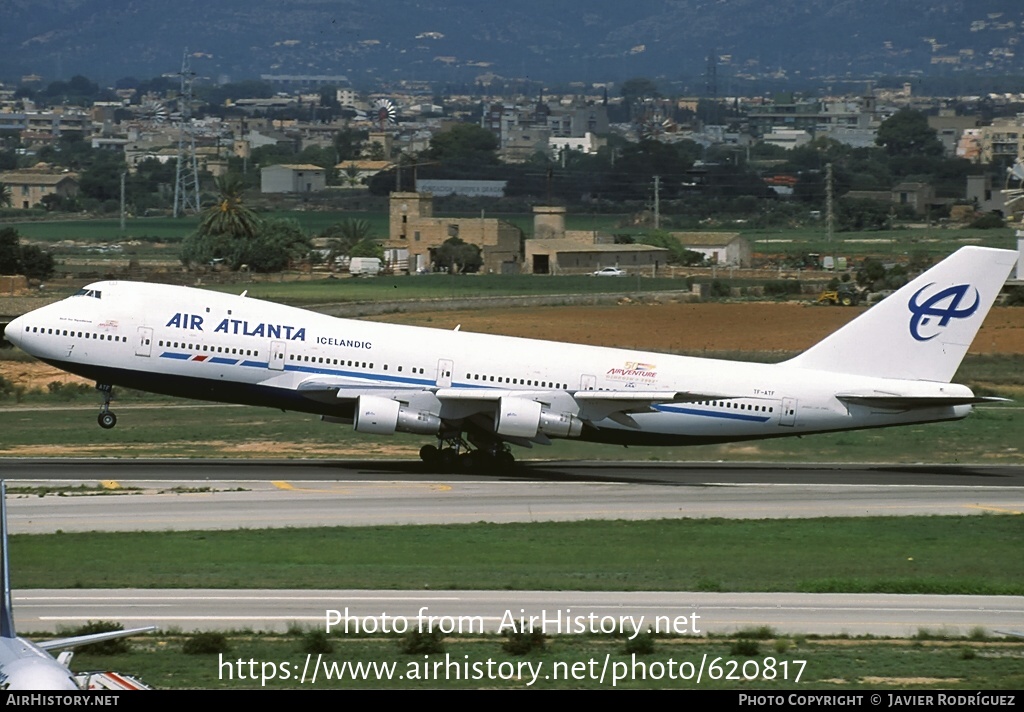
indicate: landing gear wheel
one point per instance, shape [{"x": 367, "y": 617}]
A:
[
  {"x": 106, "y": 418},
  {"x": 429, "y": 454},
  {"x": 449, "y": 461}
]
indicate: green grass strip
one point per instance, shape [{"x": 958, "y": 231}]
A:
[
  {"x": 946, "y": 555},
  {"x": 574, "y": 662}
]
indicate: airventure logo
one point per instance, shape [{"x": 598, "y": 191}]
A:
[{"x": 634, "y": 369}]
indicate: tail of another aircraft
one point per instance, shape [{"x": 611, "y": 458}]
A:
[{"x": 923, "y": 331}]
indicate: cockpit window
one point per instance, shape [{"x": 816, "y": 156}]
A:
[{"x": 98, "y": 294}]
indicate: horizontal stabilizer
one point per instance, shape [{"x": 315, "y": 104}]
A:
[
  {"x": 79, "y": 640},
  {"x": 912, "y": 402}
]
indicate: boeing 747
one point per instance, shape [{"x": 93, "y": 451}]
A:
[{"x": 478, "y": 394}]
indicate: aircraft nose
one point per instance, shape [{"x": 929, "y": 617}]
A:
[{"x": 15, "y": 330}]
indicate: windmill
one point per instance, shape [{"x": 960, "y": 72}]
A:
[
  {"x": 1013, "y": 190},
  {"x": 384, "y": 113},
  {"x": 655, "y": 123},
  {"x": 152, "y": 111}
]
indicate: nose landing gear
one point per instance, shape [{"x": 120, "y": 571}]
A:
[{"x": 106, "y": 418}]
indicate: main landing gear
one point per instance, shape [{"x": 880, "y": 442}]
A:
[
  {"x": 452, "y": 454},
  {"x": 106, "y": 418}
]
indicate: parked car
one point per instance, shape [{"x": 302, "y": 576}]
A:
[{"x": 610, "y": 272}]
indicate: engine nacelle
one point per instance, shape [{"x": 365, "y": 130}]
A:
[
  {"x": 522, "y": 418},
  {"x": 382, "y": 416},
  {"x": 560, "y": 425}
]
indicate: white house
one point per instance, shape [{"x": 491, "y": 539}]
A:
[{"x": 292, "y": 178}]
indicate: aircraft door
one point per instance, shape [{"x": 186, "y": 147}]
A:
[
  {"x": 444, "y": 372},
  {"x": 788, "y": 415},
  {"x": 144, "y": 342},
  {"x": 278, "y": 355},
  {"x": 588, "y": 382}
]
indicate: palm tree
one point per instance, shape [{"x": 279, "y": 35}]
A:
[
  {"x": 351, "y": 174},
  {"x": 6, "y": 200},
  {"x": 345, "y": 236},
  {"x": 228, "y": 216}
]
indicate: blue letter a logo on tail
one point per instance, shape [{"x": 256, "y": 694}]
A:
[{"x": 932, "y": 308}]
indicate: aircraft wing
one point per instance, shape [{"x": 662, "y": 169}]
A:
[
  {"x": 79, "y": 640},
  {"x": 454, "y": 403},
  {"x": 330, "y": 390}
]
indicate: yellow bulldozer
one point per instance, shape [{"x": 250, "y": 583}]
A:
[{"x": 844, "y": 297}]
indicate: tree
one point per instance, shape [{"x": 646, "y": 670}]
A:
[
  {"x": 636, "y": 91},
  {"x": 29, "y": 260},
  {"x": 350, "y": 175},
  {"x": 5, "y": 196},
  {"x": 10, "y": 251},
  {"x": 907, "y": 133},
  {"x": 275, "y": 246},
  {"x": 352, "y": 237},
  {"x": 348, "y": 144},
  {"x": 229, "y": 216},
  {"x": 464, "y": 143},
  {"x": 458, "y": 256},
  {"x": 271, "y": 248},
  {"x": 101, "y": 178}
]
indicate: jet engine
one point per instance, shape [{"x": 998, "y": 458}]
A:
[
  {"x": 383, "y": 416},
  {"x": 522, "y": 418}
]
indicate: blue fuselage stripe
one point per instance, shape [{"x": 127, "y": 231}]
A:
[{"x": 713, "y": 413}]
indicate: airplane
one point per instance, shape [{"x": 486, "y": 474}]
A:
[
  {"x": 478, "y": 394},
  {"x": 25, "y": 665}
]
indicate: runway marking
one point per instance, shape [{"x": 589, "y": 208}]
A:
[
  {"x": 994, "y": 509},
  {"x": 434, "y": 487},
  {"x": 325, "y": 597}
]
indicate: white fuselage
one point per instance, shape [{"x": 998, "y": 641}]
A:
[
  {"x": 208, "y": 345},
  {"x": 25, "y": 666}
]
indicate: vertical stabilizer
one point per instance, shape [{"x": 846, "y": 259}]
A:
[
  {"x": 923, "y": 331},
  {"x": 7, "y": 614}
]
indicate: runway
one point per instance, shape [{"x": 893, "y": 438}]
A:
[
  {"x": 672, "y": 613},
  {"x": 188, "y": 495}
]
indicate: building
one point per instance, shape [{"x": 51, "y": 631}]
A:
[
  {"x": 292, "y": 178},
  {"x": 919, "y": 196},
  {"x": 29, "y": 187},
  {"x": 413, "y": 227},
  {"x": 354, "y": 174},
  {"x": 986, "y": 197},
  {"x": 572, "y": 256},
  {"x": 523, "y": 131},
  {"x": 950, "y": 128},
  {"x": 46, "y": 126},
  {"x": 1003, "y": 141},
  {"x": 787, "y": 138},
  {"x": 721, "y": 248},
  {"x": 469, "y": 188},
  {"x": 555, "y": 250},
  {"x": 588, "y": 144},
  {"x": 813, "y": 116}
]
